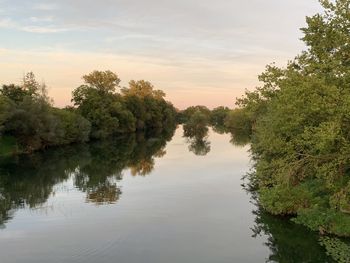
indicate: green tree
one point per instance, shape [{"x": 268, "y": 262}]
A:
[
  {"x": 300, "y": 123},
  {"x": 103, "y": 81},
  {"x": 142, "y": 89},
  {"x": 186, "y": 114},
  {"x": 6, "y": 110},
  {"x": 72, "y": 127},
  {"x": 148, "y": 106},
  {"x": 97, "y": 101},
  {"x": 218, "y": 116}
]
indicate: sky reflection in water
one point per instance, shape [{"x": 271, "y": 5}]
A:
[{"x": 141, "y": 199}]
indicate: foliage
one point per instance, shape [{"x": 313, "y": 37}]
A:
[
  {"x": 33, "y": 124},
  {"x": 139, "y": 107},
  {"x": 142, "y": 89},
  {"x": 300, "y": 124},
  {"x": 196, "y": 126},
  {"x": 237, "y": 120},
  {"x": 103, "y": 81},
  {"x": 27, "y": 114},
  {"x": 6, "y": 110},
  {"x": 286, "y": 241},
  {"x": 8, "y": 146},
  {"x": 28, "y": 117},
  {"x": 219, "y": 115},
  {"x": 72, "y": 126},
  {"x": 185, "y": 115},
  {"x": 196, "y": 131},
  {"x": 337, "y": 249}
]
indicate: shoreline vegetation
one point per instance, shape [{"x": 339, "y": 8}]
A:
[
  {"x": 297, "y": 124},
  {"x": 29, "y": 122}
]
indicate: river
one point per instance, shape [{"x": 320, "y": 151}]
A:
[{"x": 142, "y": 200}]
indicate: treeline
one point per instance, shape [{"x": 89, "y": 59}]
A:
[
  {"x": 196, "y": 121},
  {"x": 300, "y": 121},
  {"x": 29, "y": 122},
  {"x": 220, "y": 118}
]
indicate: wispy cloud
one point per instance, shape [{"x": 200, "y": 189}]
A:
[
  {"x": 42, "y": 29},
  {"x": 36, "y": 19},
  {"x": 183, "y": 46},
  {"x": 45, "y": 6}
]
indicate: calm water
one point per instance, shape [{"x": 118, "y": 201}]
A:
[{"x": 139, "y": 200}]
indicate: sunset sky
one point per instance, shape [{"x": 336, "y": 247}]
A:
[{"x": 198, "y": 51}]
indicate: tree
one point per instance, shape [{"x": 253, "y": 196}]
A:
[
  {"x": 30, "y": 85},
  {"x": 14, "y": 93},
  {"x": 197, "y": 126},
  {"x": 142, "y": 89},
  {"x": 218, "y": 115},
  {"x": 103, "y": 81},
  {"x": 97, "y": 101},
  {"x": 300, "y": 122},
  {"x": 148, "y": 106},
  {"x": 33, "y": 124},
  {"x": 186, "y": 114},
  {"x": 72, "y": 127},
  {"x": 6, "y": 111}
]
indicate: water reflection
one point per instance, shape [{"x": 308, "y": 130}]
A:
[
  {"x": 197, "y": 138},
  {"x": 287, "y": 241},
  {"x": 239, "y": 139},
  {"x": 96, "y": 168},
  {"x": 216, "y": 219},
  {"x": 200, "y": 146}
]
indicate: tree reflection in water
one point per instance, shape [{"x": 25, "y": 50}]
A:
[
  {"x": 197, "y": 138},
  {"x": 200, "y": 146},
  {"x": 96, "y": 168},
  {"x": 288, "y": 242}
]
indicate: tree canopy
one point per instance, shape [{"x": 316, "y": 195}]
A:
[
  {"x": 300, "y": 124},
  {"x": 28, "y": 117}
]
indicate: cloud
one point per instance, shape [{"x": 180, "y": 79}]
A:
[
  {"x": 7, "y": 23},
  {"x": 186, "y": 46},
  {"x": 43, "y": 29},
  {"x": 45, "y": 6},
  {"x": 10, "y": 24},
  {"x": 35, "y": 19},
  {"x": 200, "y": 81}
]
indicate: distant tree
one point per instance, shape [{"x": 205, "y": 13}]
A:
[
  {"x": 197, "y": 125},
  {"x": 28, "y": 116},
  {"x": 196, "y": 131},
  {"x": 14, "y": 92},
  {"x": 218, "y": 116},
  {"x": 30, "y": 84},
  {"x": 237, "y": 120},
  {"x": 6, "y": 110},
  {"x": 104, "y": 81},
  {"x": 33, "y": 124},
  {"x": 186, "y": 114},
  {"x": 97, "y": 101},
  {"x": 148, "y": 106},
  {"x": 142, "y": 89},
  {"x": 72, "y": 127}
]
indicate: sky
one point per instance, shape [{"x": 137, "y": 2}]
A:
[{"x": 200, "y": 52}]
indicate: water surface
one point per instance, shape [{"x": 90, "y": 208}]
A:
[{"x": 141, "y": 199}]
